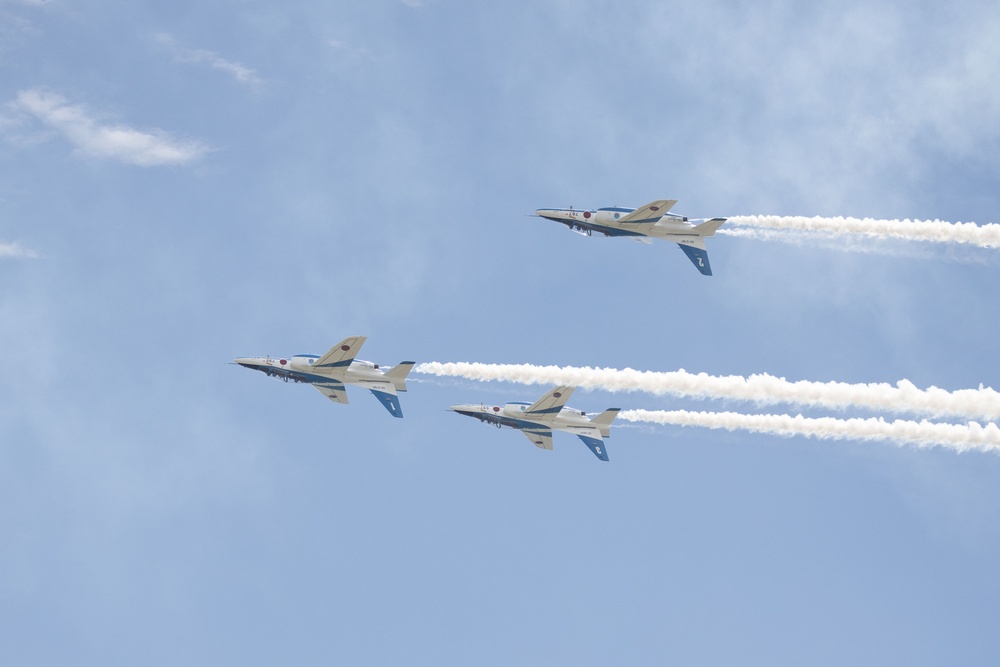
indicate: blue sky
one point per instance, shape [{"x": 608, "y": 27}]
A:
[{"x": 183, "y": 185}]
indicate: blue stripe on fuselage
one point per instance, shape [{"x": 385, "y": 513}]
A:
[
  {"x": 510, "y": 422},
  {"x": 298, "y": 376},
  {"x": 336, "y": 364},
  {"x": 546, "y": 411},
  {"x": 601, "y": 229}
]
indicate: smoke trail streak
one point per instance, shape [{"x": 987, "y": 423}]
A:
[
  {"x": 825, "y": 239},
  {"x": 958, "y": 437},
  {"x": 984, "y": 236},
  {"x": 762, "y": 389}
]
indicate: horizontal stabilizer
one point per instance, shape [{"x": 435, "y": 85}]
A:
[
  {"x": 397, "y": 374},
  {"x": 708, "y": 227}
]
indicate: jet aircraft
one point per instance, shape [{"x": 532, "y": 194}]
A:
[
  {"x": 537, "y": 420},
  {"x": 650, "y": 221},
  {"x": 335, "y": 369}
]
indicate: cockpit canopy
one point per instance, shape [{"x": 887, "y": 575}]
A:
[{"x": 515, "y": 409}]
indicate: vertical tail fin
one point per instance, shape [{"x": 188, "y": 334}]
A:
[
  {"x": 397, "y": 374},
  {"x": 603, "y": 421},
  {"x": 695, "y": 250},
  {"x": 595, "y": 445},
  {"x": 390, "y": 401}
]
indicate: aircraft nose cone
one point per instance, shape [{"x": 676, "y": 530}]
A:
[{"x": 559, "y": 214}]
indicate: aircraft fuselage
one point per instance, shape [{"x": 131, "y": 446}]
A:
[
  {"x": 513, "y": 415},
  {"x": 652, "y": 221},
  {"x": 300, "y": 369},
  {"x": 669, "y": 227},
  {"x": 334, "y": 370}
]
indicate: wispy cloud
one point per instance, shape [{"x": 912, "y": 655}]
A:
[
  {"x": 238, "y": 71},
  {"x": 93, "y": 138},
  {"x": 15, "y": 251},
  {"x": 344, "y": 47}
]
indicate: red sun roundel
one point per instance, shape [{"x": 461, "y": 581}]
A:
[
  {"x": 345, "y": 348},
  {"x": 282, "y": 362},
  {"x": 654, "y": 208}
]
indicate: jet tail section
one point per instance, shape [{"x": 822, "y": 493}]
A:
[
  {"x": 397, "y": 374},
  {"x": 390, "y": 401},
  {"x": 386, "y": 395},
  {"x": 596, "y": 445},
  {"x": 698, "y": 255},
  {"x": 603, "y": 421},
  {"x": 708, "y": 227}
]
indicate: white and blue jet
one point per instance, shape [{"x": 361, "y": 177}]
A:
[
  {"x": 549, "y": 413},
  {"x": 641, "y": 224},
  {"x": 335, "y": 369}
]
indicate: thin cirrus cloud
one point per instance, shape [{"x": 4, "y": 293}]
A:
[
  {"x": 93, "y": 138},
  {"x": 14, "y": 251},
  {"x": 241, "y": 73}
]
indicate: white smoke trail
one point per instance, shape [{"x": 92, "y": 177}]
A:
[
  {"x": 762, "y": 389},
  {"x": 865, "y": 245},
  {"x": 939, "y": 231},
  {"x": 958, "y": 437}
]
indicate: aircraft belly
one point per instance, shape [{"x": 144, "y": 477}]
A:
[
  {"x": 614, "y": 231},
  {"x": 294, "y": 376},
  {"x": 510, "y": 422}
]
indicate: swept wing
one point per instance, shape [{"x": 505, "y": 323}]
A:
[
  {"x": 541, "y": 438},
  {"x": 335, "y": 392},
  {"x": 649, "y": 213},
  {"x": 552, "y": 402},
  {"x": 341, "y": 355}
]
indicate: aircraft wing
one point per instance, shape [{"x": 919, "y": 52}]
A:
[
  {"x": 552, "y": 402},
  {"x": 649, "y": 213},
  {"x": 539, "y": 437},
  {"x": 385, "y": 392},
  {"x": 341, "y": 355},
  {"x": 335, "y": 392}
]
